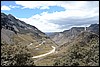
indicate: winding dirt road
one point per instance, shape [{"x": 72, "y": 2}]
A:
[{"x": 52, "y": 51}]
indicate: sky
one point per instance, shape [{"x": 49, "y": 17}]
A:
[{"x": 54, "y": 16}]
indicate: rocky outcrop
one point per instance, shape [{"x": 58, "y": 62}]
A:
[
  {"x": 83, "y": 51},
  {"x": 68, "y": 35},
  {"x": 16, "y": 36},
  {"x": 11, "y": 26}
]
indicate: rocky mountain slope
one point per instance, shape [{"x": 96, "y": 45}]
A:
[
  {"x": 11, "y": 26},
  {"x": 20, "y": 40},
  {"x": 93, "y": 28},
  {"x": 68, "y": 35},
  {"x": 76, "y": 47},
  {"x": 83, "y": 51}
]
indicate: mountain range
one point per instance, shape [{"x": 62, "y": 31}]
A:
[
  {"x": 66, "y": 36},
  {"x": 21, "y": 42},
  {"x": 78, "y": 46},
  {"x": 19, "y": 38}
]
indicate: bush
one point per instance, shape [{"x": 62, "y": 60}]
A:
[{"x": 15, "y": 55}]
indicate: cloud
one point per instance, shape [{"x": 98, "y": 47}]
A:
[
  {"x": 42, "y": 24},
  {"x": 36, "y": 4},
  {"x": 77, "y": 13},
  {"x": 4, "y": 7},
  {"x": 70, "y": 22},
  {"x": 64, "y": 4},
  {"x": 13, "y": 6},
  {"x": 49, "y": 22},
  {"x": 45, "y": 7}
]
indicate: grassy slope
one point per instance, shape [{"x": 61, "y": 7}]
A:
[
  {"x": 83, "y": 51},
  {"x": 21, "y": 44}
]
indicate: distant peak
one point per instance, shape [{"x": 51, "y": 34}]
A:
[
  {"x": 93, "y": 25},
  {"x": 3, "y": 13},
  {"x": 10, "y": 15}
]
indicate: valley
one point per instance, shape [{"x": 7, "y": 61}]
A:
[{"x": 25, "y": 45}]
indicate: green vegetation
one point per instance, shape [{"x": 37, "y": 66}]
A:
[
  {"x": 82, "y": 52},
  {"x": 15, "y": 55},
  {"x": 21, "y": 53}
]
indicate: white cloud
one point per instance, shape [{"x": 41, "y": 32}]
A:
[
  {"x": 42, "y": 24},
  {"x": 4, "y": 7},
  {"x": 76, "y": 13},
  {"x": 45, "y": 7},
  {"x": 13, "y": 6},
  {"x": 64, "y": 4},
  {"x": 49, "y": 22},
  {"x": 36, "y": 4}
]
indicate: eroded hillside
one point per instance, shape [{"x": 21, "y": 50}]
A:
[
  {"x": 25, "y": 45},
  {"x": 21, "y": 41}
]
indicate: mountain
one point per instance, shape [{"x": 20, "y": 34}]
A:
[
  {"x": 11, "y": 26},
  {"x": 49, "y": 33},
  {"x": 21, "y": 41},
  {"x": 82, "y": 51},
  {"x": 94, "y": 28},
  {"x": 68, "y": 35},
  {"x": 78, "y": 46}
]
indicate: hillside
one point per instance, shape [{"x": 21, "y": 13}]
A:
[
  {"x": 83, "y": 51},
  {"x": 25, "y": 45},
  {"x": 68, "y": 35},
  {"x": 20, "y": 40},
  {"x": 11, "y": 26}
]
